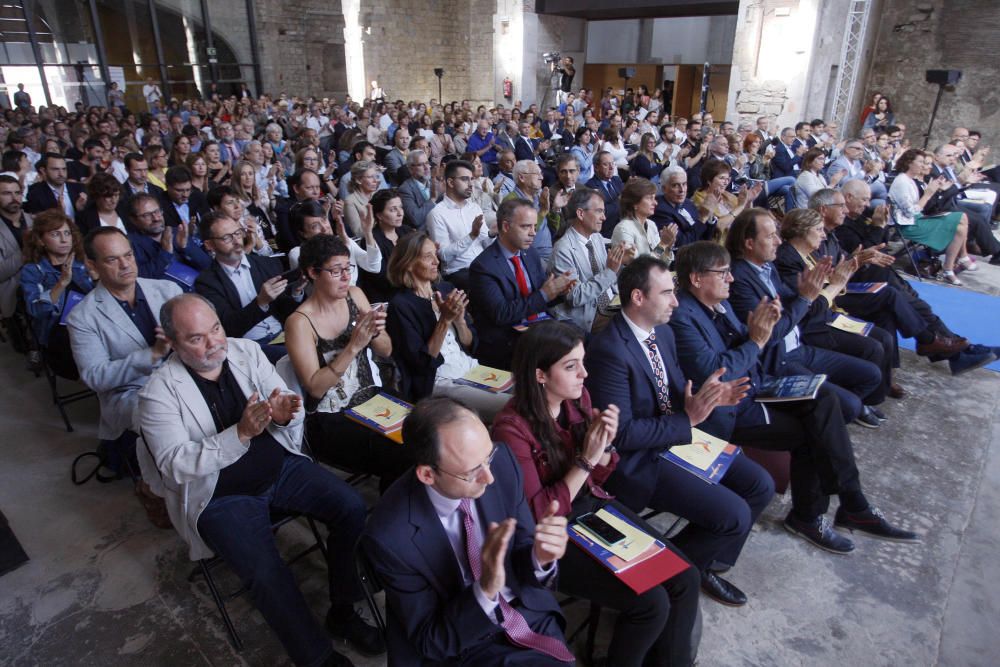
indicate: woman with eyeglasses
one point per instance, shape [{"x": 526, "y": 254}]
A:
[
  {"x": 433, "y": 337},
  {"x": 563, "y": 446},
  {"x": 53, "y": 267},
  {"x": 103, "y": 193},
  {"x": 332, "y": 340}
]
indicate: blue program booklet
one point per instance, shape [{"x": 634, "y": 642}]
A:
[
  {"x": 790, "y": 388},
  {"x": 706, "y": 456},
  {"x": 72, "y": 299},
  {"x": 181, "y": 273},
  {"x": 864, "y": 288}
]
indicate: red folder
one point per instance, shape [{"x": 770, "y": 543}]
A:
[{"x": 641, "y": 576}]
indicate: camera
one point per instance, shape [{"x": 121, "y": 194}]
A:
[{"x": 551, "y": 57}]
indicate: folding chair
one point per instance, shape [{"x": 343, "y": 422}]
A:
[
  {"x": 206, "y": 565},
  {"x": 371, "y": 585}
]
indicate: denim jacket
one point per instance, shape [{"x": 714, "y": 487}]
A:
[{"x": 37, "y": 281}]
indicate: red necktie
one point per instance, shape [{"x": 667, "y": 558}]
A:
[
  {"x": 522, "y": 281},
  {"x": 514, "y": 624}
]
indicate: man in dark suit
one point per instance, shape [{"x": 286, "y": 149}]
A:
[
  {"x": 788, "y": 152},
  {"x": 53, "y": 191},
  {"x": 182, "y": 203},
  {"x": 859, "y": 367},
  {"x": 867, "y": 230},
  {"x": 526, "y": 148},
  {"x": 709, "y": 337},
  {"x": 978, "y": 212},
  {"x": 248, "y": 291},
  {"x": 138, "y": 170},
  {"x": 508, "y": 285},
  {"x": 632, "y": 364},
  {"x": 162, "y": 252},
  {"x": 674, "y": 208},
  {"x": 458, "y": 552},
  {"x": 607, "y": 182}
]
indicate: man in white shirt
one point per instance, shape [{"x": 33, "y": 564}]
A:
[
  {"x": 152, "y": 93},
  {"x": 456, "y": 224}
]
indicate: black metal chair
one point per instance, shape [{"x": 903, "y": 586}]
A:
[
  {"x": 371, "y": 585},
  {"x": 207, "y": 565}
]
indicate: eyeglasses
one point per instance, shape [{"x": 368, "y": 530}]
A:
[
  {"x": 726, "y": 272},
  {"x": 230, "y": 237},
  {"x": 336, "y": 271},
  {"x": 473, "y": 475},
  {"x": 150, "y": 215}
]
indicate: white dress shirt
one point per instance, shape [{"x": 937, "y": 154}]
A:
[
  {"x": 449, "y": 224},
  {"x": 267, "y": 328}
]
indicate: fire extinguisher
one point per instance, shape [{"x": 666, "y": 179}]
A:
[{"x": 508, "y": 88}]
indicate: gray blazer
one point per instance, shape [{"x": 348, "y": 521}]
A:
[
  {"x": 10, "y": 268},
  {"x": 112, "y": 355},
  {"x": 415, "y": 206},
  {"x": 570, "y": 254},
  {"x": 181, "y": 438}
]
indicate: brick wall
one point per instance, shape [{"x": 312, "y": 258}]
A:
[
  {"x": 915, "y": 36},
  {"x": 301, "y": 45}
]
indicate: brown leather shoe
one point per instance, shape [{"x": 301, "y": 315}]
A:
[
  {"x": 156, "y": 508},
  {"x": 897, "y": 392},
  {"x": 945, "y": 347}
]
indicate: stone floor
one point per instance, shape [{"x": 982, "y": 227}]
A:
[{"x": 103, "y": 587}]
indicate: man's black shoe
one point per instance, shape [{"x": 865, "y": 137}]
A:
[
  {"x": 820, "y": 533},
  {"x": 721, "y": 590},
  {"x": 995, "y": 259},
  {"x": 879, "y": 415},
  {"x": 873, "y": 522},
  {"x": 967, "y": 361},
  {"x": 867, "y": 418},
  {"x": 363, "y": 637}
]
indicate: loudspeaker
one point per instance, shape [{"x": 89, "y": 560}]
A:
[
  {"x": 626, "y": 72},
  {"x": 944, "y": 77}
]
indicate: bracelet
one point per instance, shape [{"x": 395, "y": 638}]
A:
[{"x": 583, "y": 464}]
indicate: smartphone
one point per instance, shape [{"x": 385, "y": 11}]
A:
[
  {"x": 380, "y": 306},
  {"x": 601, "y": 528},
  {"x": 292, "y": 276}
]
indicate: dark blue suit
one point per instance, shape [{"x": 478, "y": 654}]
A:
[
  {"x": 612, "y": 207},
  {"x": 858, "y": 381},
  {"x": 433, "y": 615},
  {"x": 40, "y": 197},
  {"x": 497, "y": 304},
  {"x": 152, "y": 260},
  {"x": 687, "y": 233},
  {"x": 524, "y": 149},
  {"x": 813, "y": 431},
  {"x": 784, "y": 165},
  {"x": 720, "y": 517}
]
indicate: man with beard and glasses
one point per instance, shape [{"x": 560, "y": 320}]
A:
[{"x": 225, "y": 434}]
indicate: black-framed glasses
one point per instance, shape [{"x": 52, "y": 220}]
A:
[
  {"x": 473, "y": 475},
  {"x": 149, "y": 215},
  {"x": 337, "y": 271},
  {"x": 230, "y": 237},
  {"x": 726, "y": 272}
]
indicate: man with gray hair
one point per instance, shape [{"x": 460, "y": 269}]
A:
[
  {"x": 225, "y": 434},
  {"x": 851, "y": 166},
  {"x": 581, "y": 251},
  {"x": 528, "y": 185},
  {"x": 418, "y": 193},
  {"x": 674, "y": 208}
]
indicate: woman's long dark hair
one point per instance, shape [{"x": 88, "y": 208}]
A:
[{"x": 540, "y": 348}]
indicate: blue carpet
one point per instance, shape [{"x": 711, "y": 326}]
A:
[{"x": 970, "y": 314}]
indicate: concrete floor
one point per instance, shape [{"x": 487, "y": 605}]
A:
[{"x": 104, "y": 587}]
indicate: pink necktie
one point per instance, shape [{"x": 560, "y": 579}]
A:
[{"x": 515, "y": 626}]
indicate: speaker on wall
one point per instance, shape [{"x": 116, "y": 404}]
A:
[
  {"x": 944, "y": 77},
  {"x": 626, "y": 72}
]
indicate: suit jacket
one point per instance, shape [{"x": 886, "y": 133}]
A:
[
  {"x": 410, "y": 323},
  {"x": 524, "y": 149},
  {"x": 10, "y": 267},
  {"x": 748, "y": 289},
  {"x": 702, "y": 351},
  {"x": 125, "y": 200},
  {"x": 215, "y": 285},
  {"x": 40, "y": 197},
  {"x": 570, "y": 254},
  {"x": 784, "y": 165},
  {"x": 181, "y": 437},
  {"x": 433, "y": 615},
  {"x": 395, "y": 166},
  {"x": 113, "y": 357},
  {"x": 497, "y": 304},
  {"x": 687, "y": 233},
  {"x": 415, "y": 205},
  {"x": 197, "y": 208},
  {"x": 620, "y": 373},
  {"x": 612, "y": 207},
  {"x": 152, "y": 260}
]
